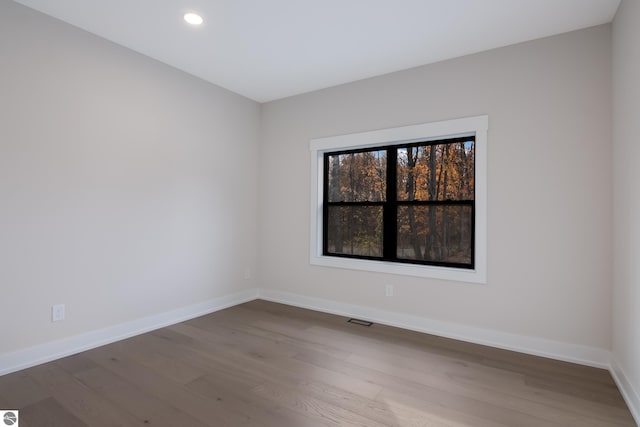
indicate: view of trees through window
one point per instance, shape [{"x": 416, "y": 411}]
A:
[{"x": 405, "y": 203}]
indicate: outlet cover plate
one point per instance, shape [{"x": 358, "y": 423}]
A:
[{"x": 57, "y": 312}]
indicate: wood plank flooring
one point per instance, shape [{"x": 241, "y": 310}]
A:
[{"x": 267, "y": 364}]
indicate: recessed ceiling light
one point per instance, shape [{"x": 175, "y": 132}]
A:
[{"x": 193, "y": 18}]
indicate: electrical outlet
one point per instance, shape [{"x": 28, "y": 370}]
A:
[
  {"x": 388, "y": 290},
  {"x": 57, "y": 312}
]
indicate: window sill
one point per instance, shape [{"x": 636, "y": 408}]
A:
[{"x": 425, "y": 271}]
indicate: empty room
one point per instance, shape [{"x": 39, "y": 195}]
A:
[{"x": 319, "y": 213}]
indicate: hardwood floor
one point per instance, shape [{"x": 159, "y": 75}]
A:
[{"x": 266, "y": 364}]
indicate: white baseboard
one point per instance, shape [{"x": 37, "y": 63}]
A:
[
  {"x": 47, "y": 352},
  {"x": 584, "y": 355},
  {"x": 574, "y": 353},
  {"x": 630, "y": 395}
]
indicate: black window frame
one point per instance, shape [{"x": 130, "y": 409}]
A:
[{"x": 391, "y": 204}]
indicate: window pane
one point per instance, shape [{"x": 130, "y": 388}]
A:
[
  {"x": 355, "y": 230},
  {"x": 436, "y": 172},
  {"x": 358, "y": 177},
  {"x": 435, "y": 233}
]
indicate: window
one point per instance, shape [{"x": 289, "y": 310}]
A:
[
  {"x": 409, "y": 200},
  {"x": 410, "y": 203}
]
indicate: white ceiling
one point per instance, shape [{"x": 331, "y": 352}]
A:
[{"x": 271, "y": 49}]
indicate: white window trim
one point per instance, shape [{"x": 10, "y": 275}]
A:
[{"x": 477, "y": 126}]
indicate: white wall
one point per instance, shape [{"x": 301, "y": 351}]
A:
[
  {"x": 127, "y": 188},
  {"x": 626, "y": 116},
  {"x": 550, "y": 179}
]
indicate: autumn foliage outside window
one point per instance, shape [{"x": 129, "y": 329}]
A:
[{"x": 410, "y": 203}]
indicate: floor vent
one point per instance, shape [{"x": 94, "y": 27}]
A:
[{"x": 360, "y": 322}]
